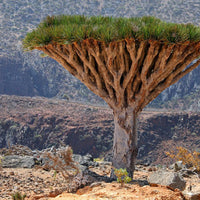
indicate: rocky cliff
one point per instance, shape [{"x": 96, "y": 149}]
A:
[
  {"x": 27, "y": 74},
  {"x": 40, "y": 123}
]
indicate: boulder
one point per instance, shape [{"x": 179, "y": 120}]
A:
[
  {"x": 171, "y": 179},
  {"x": 85, "y": 178},
  {"x": 15, "y": 161},
  {"x": 192, "y": 195},
  {"x": 179, "y": 166},
  {"x": 86, "y": 160},
  {"x": 187, "y": 173}
]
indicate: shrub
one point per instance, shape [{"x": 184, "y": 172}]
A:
[
  {"x": 18, "y": 196},
  {"x": 187, "y": 157},
  {"x": 61, "y": 161},
  {"x": 122, "y": 176}
]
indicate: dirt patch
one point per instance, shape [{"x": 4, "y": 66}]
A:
[{"x": 129, "y": 191}]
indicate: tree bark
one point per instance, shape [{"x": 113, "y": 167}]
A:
[{"x": 125, "y": 140}]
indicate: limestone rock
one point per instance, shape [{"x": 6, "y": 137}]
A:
[
  {"x": 192, "y": 195},
  {"x": 86, "y": 160},
  {"x": 172, "y": 179},
  {"x": 86, "y": 178},
  {"x": 15, "y": 161},
  {"x": 179, "y": 166}
]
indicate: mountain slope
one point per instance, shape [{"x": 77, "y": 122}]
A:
[
  {"x": 41, "y": 123},
  {"x": 45, "y": 78}
]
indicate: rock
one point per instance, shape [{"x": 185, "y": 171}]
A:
[
  {"x": 96, "y": 184},
  {"x": 12, "y": 173},
  {"x": 172, "y": 179},
  {"x": 15, "y": 161},
  {"x": 105, "y": 163},
  {"x": 84, "y": 190},
  {"x": 86, "y": 178},
  {"x": 187, "y": 173},
  {"x": 179, "y": 166},
  {"x": 152, "y": 168},
  {"x": 86, "y": 160},
  {"x": 108, "y": 156},
  {"x": 141, "y": 183},
  {"x": 144, "y": 162},
  {"x": 196, "y": 171},
  {"x": 19, "y": 150},
  {"x": 191, "y": 195},
  {"x": 82, "y": 162}
]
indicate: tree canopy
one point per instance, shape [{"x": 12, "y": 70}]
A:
[{"x": 65, "y": 29}]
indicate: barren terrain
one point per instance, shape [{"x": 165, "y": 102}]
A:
[
  {"x": 40, "y": 184},
  {"x": 41, "y": 123}
]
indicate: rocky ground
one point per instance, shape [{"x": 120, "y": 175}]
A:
[
  {"x": 43, "y": 123},
  {"x": 37, "y": 183},
  {"x": 40, "y": 184},
  {"x": 175, "y": 182}
]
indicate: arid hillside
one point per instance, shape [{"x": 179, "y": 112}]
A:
[
  {"x": 36, "y": 76},
  {"x": 40, "y": 123}
]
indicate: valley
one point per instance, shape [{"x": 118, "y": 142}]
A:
[{"x": 40, "y": 123}]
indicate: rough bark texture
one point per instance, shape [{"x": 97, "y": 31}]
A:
[
  {"x": 125, "y": 140},
  {"x": 127, "y": 74}
]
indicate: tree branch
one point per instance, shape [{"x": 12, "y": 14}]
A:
[{"x": 126, "y": 73}]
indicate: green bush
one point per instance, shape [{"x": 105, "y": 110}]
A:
[{"x": 122, "y": 176}]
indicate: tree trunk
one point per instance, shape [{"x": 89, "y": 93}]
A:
[{"x": 125, "y": 140}]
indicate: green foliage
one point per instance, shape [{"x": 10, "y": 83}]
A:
[
  {"x": 54, "y": 174},
  {"x": 122, "y": 176},
  {"x": 99, "y": 159},
  {"x": 66, "y": 29},
  {"x": 18, "y": 196}
]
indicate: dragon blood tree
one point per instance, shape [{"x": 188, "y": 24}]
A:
[{"x": 128, "y": 62}]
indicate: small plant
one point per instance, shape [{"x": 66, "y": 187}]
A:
[
  {"x": 99, "y": 159},
  {"x": 54, "y": 174},
  {"x": 122, "y": 176},
  {"x": 61, "y": 161},
  {"x": 188, "y": 158},
  {"x": 18, "y": 196}
]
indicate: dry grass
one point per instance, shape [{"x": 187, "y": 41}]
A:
[
  {"x": 61, "y": 161},
  {"x": 187, "y": 157}
]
